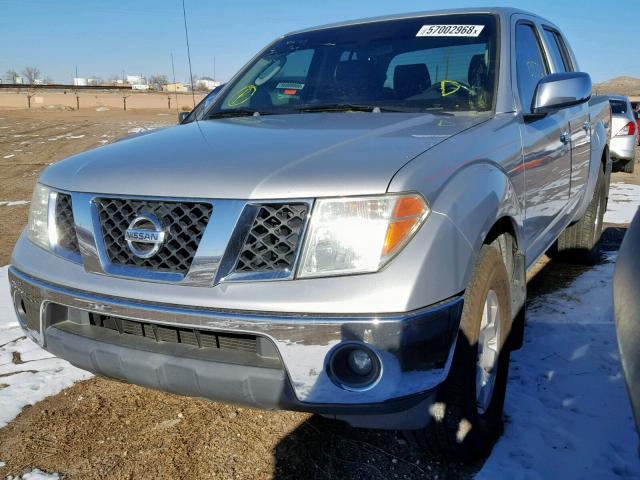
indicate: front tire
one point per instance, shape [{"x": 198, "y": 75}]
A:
[{"x": 467, "y": 413}]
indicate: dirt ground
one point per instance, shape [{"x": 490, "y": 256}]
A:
[
  {"x": 101, "y": 429},
  {"x": 32, "y": 140}
]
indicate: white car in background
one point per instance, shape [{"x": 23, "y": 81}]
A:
[{"x": 624, "y": 134}]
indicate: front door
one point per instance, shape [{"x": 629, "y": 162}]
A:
[{"x": 546, "y": 147}]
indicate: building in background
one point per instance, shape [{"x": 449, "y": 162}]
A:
[
  {"x": 80, "y": 82},
  {"x": 136, "y": 80},
  {"x": 175, "y": 88},
  {"x": 206, "y": 83}
]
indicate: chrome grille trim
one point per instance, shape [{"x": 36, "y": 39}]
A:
[
  {"x": 63, "y": 239},
  {"x": 228, "y": 271},
  {"x": 272, "y": 242},
  {"x": 185, "y": 223},
  {"x": 65, "y": 225},
  {"x": 217, "y": 252}
]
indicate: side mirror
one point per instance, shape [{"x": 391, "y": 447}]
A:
[
  {"x": 182, "y": 116},
  {"x": 561, "y": 90}
]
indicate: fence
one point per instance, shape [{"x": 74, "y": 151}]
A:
[{"x": 74, "y": 99}]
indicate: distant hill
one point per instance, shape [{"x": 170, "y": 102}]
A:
[{"x": 628, "y": 86}]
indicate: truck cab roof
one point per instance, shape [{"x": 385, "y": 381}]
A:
[{"x": 500, "y": 11}]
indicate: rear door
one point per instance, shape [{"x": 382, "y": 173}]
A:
[
  {"x": 578, "y": 116},
  {"x": 546, "y": 146}
]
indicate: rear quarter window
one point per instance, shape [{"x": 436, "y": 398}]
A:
[{"x": 618, "y": 107}]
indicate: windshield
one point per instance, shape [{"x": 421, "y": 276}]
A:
[
  {"x": 200, "y": 110},
  {"x": 436, "y": 63}
]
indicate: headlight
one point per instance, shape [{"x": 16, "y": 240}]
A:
[
  {"x": 38, "y": 227},
  {"x": 359, "y": 235}
]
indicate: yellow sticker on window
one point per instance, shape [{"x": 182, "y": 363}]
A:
[{"x": 243, "y": 96}]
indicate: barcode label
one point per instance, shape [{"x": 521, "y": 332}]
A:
[{"x": 450, "y": 31}]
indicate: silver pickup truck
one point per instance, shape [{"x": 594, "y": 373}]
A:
[{"x": 346, "y": 231}]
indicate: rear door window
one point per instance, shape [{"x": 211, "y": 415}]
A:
[{"x": 558, "y": 50}]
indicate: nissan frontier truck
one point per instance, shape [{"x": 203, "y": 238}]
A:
[{"x": 346, "y": 231}]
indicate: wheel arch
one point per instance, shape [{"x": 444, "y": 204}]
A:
[{"x": 494, "y": 216}]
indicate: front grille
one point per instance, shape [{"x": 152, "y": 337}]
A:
[
  {"x": 185, "y": 223},
  {"x": 272, "y": 241},
  {"x": 187, "y": 336},
  {"x": 67, "y": 238}
]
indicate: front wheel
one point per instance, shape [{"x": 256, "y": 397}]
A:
[{"x": 467, "y": 413}]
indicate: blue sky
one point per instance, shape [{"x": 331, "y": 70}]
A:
[{"x": 105, "y": 37}]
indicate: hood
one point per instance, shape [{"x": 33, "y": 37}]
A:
[{"x": 284, "y": 156}]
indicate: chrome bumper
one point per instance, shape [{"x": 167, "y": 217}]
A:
[{"x": 414, "y": 348}]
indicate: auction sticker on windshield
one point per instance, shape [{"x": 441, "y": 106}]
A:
[{"x": 450, "y": 31}]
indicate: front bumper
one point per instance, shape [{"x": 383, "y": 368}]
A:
[{"x": 414, "y": 349}]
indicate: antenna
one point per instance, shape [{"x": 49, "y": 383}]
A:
[
  {"x": 186, "y": 34},
  {"x": 175, "y": 87}
]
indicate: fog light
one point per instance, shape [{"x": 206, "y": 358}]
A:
[
  {"x": 360, "y": 362},
  {"x": 354, "y": 366}
]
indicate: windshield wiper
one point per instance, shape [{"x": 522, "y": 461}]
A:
[
  {"x": 334, "y": 107},
  {"x": 235, "y": 112},
  {"x": 346, "y": 107}
]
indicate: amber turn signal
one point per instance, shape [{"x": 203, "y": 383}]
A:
[{"x": 408, "y": 214}]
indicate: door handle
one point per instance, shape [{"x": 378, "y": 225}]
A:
[
  {"x": 564, "y": 137},
  {"x": 586, "y": 126}
]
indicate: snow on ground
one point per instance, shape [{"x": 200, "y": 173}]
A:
[
  {"x": 624, "y": 199},
  {"x": 35, "y": 475},
  {"x": 141, "y": 129},
  {"x": 28, "y": 374},
  {"x": 65, "y": 136},
  {"x": 567, "y": 406},
  {"x": 14, "y": 203},
  {"x": 136, "y": 127}
]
